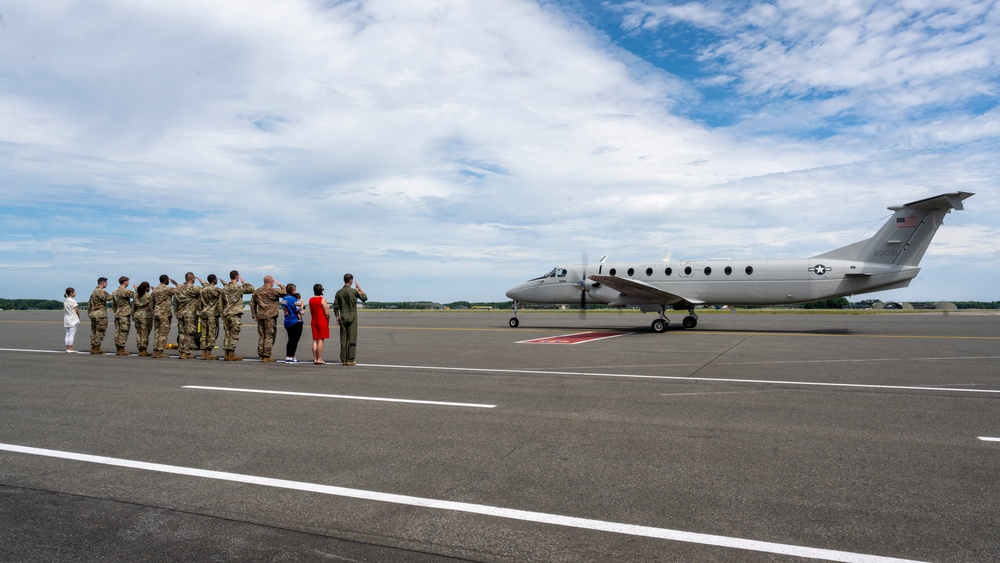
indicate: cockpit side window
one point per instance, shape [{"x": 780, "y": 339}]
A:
[
  {"x": 551, "y": 274},
  {"x": 561, "y": 272}
]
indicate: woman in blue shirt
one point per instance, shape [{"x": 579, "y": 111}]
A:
[{"x": 291, "y": 304}]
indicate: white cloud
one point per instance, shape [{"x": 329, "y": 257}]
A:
[{"x": 423, "y": 142}]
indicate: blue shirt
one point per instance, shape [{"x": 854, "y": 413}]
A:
[{"x": 293, "y": 315}]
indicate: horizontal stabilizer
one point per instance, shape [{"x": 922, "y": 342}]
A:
[{"x": 904, "y": 238}]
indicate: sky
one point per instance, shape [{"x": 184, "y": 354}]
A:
[{"x": 446, "y": 150}]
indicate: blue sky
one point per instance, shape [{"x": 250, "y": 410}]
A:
[{"x": 447, "y": 150}]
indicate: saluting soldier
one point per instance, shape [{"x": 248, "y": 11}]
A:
[
  {"x": 232, "y": 313},
  {"x": 186, "y": 310},
  {"x": 121, "y": 300},
  {"x": 264, "y": 308},
  {"x": 142, "y": 315},
  {"x": 162, "y": 294},
  {"x": 345, "y": 308},
  {"x": 211, "y": 309},
  {"x": 97, "y": 310}
]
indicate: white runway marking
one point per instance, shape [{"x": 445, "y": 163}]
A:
[
  {"x": 383, "y": 399},
  {"x": 683, "y": 378},
  {"x": 486, "y": 510},
  {"x": 989, "y": 439}
]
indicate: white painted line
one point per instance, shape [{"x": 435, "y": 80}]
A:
[
  {"x": 989, "y": 439},
  {"x": 486, "y": 510},
  {"x": 63, "y": 351},
  {"x": 384, "y": 399},
  {"x": 684, "y": 378}
]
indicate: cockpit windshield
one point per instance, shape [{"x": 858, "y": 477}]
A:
[{"x": 554, "y": 273}]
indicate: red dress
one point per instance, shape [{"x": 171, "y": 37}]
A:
[{"x": 320, "y": 323}]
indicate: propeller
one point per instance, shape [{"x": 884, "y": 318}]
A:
[{"x": 582, "y": 286}]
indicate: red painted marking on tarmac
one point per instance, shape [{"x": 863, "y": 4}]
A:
[{"x": 575, "y": 338}]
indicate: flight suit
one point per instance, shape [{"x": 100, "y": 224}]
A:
[{"x": 345, "y": 307}]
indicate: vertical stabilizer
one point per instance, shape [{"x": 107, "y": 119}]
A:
[{"x": 904, "y": 238}]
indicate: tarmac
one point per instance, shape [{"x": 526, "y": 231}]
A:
[{"x": 754, "y": 437}]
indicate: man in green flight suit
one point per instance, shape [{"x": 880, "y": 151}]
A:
[{"x": 345, "y": 308}]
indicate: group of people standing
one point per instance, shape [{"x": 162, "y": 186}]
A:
[{"x": 199, "y": 309}]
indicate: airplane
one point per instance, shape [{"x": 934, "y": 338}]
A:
[{"x": 888, "y": 260}]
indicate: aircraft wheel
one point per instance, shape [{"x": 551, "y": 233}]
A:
[
  {"x": 513, "y": 322},
  {"x": 690, "y": 322},
  {"x": 659, "y": 325}
]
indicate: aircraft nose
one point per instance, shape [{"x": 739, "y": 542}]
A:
[{"x": 517, "y": 292}]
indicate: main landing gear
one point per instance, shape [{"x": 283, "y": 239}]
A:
[{"x": 661, "y": 323}]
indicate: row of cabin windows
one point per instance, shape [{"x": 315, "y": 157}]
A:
[{"x": 687, "y": 271}]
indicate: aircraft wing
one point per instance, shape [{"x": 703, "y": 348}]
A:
[{"x": 642, "y": 290}]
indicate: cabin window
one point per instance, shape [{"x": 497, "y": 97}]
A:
[
  {"x": 668, "y": 271},
  {"x": 729, "y": 270},
  {"x": 631, "y": 272},
  {"x": 649, "y": 271},
  {"x": 611, "y": 271},
  {"x": 708, "y": 270},
  {"x": 749, "y": 270},
  {"x": 687, "y": 271}
]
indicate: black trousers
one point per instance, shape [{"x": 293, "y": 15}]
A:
[{"x": 294, "y": 333}]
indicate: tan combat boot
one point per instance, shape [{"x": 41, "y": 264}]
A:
[
  {"x": 143, "y": 352},
  {"x": 267, "y": 359},
  {"x": 159, "y": 354}
]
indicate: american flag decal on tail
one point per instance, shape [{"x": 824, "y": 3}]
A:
[{"x": 907, "y": 222}]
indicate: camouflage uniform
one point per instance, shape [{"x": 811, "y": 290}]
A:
[
  {"x": 232, "y": 315},
  {"x": 142, "y": 315},
  {"x": 122, "y": 301},
  {"x": 211, "y": 308},
  {"x": 97, "y": 310},
  {"x": 161, "y": 317},
  {"x": 186, "y": 310},
  {"x": 264, "y": 308}
]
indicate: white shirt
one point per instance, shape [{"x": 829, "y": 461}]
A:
[{"x": 70, "y": 318}]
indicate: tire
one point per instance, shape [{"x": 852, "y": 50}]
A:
[
  {"x": 513, "y": 322},
  {"x": 659, "y": 326}
]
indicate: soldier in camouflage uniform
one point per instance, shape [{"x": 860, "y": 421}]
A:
[
  {"x": 211, "y": 309},
  {"x": 142, "y": 315},
  {"x": 186, "y": 303},
  {"x": 264, "y": 308},
  {"x": 97, "y": 310},
  {"x": 232, "y": 313},
  {"x": 121, "y": 300},
  {"x": 162, "y": 295}
]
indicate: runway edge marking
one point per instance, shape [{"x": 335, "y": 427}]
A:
[
  {"x": 486, "y": 510},
  {"x": 327, "y": 396}
]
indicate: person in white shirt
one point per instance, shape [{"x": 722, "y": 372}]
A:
[{"x": 71, "y": 317}]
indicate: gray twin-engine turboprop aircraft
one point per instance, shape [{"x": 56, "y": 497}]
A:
[{"x": 888, "y": 260}]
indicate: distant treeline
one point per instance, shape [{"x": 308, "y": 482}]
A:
[{"x": 25, "y": 304}]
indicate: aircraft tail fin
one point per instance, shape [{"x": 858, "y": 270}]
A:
[{"x": 904, "y": 238}]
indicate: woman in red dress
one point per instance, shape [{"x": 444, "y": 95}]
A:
[{"x": 320, "y": 313}]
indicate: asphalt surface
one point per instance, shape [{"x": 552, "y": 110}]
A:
[{"x": 749, "y": 438}]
